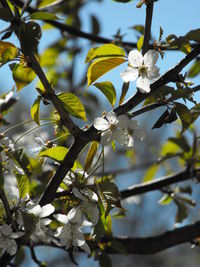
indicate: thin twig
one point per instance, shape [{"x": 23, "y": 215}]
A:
[
  {"x": 159, "y": 183},
  {"x": 34, "y": 257},
  {"x": 147, "y": 29}
]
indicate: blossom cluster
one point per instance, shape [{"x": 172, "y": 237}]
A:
[{"x": 120, "y": 128}]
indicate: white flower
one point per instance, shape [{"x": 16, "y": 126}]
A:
[
  {"x": 72, "y": 235},
  {"x": 127, "y": 130},
  {"x": 142, "y": 68},
  {"x": 7, "y": 242},
  {"x": 120, "y": 128},
  {"x": 41, "y": 213},
  {"x": 107, "y": 125},
  {"x": 89, "y": 199}
]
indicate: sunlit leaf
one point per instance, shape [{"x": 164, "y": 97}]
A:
[
  {"x": 35, "y": 109},
  {"x": 90, "y": 155},
  {"x": 108, "y": 90},
  {"x": 47, "y": 3},
  {"x": 56, "y": 153},
  {"x": 165, "y": 200},
  {"x": 73, "y": 105},
  {"x": 140, "y": 43},
  {"x": 181, "y": 142},
  {"x": 23, "y": 184},
  {"x": 101, "y": 66},
  {"x": 194, "y": 69},
  {"x": 150, "y": 173},
  {"x": 43, "y": 16},
  {"x": 22, "y": 75},
  {"x": 106, "y": 50},
  {"x": 8, "y": 51}
]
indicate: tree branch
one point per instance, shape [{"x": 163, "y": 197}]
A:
[
  {"x": 50, "y": 95},
  {"x": 80, "y": 142},
  {"x": 170, "y": 76},
  {"x": 147, "y": 31},
  {"x": 147, "y": 245},
  {"x": 155, "y": 244},
  {"x": 75, "y": 32},
  {"x": 158, "y": 184}
]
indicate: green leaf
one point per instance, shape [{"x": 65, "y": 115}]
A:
[
  {"x": 195, "y": 112},
  {"x": 8, "y": 51},
  {"x": 29, "y": 35},
  {"x": 101, "y": 66},
  {"x": 43, "y": 16},
  {"x": 194, "y": 69},
  {"x": 194, "y": 35},
  {"x": 35, "y": 109},
  {"x": 95, "y": 25},
  {"x": 140, "y": 43},
  {"x": 138, "y": 28},
  {"x": 184, "y": 115},
  {"x": 118, "y": 247},
  {"x": 109, "y": 195},
  {"x": 182, "y": 212},
  {"x": 150, "y": 173},
  {"x": 169, "y": 148},
  {"x": 23, "y": 184},
  {"x": 47, "y": 3},
  {"x": 90, "y": 155},
  {"x": 73, "y": 105},
  {"x": 22, "y": 75},
  {"x": 106, "y": 50},
  {"x": 6, "y": 14},
  {"x": 125, "y": 87},
  {"x": 181, "y": 142},
  {"x": 56, "y": 153},
  {"x": 29, "y": 222},
  {"x": 165, "y": 200},
  {"x": 108, "y": 90}
]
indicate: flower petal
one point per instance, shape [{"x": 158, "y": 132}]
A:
[
  {"x": 112, "y": 118},
  {"x": 86, "y": 248},
  {"x": 123, "y": 121},
  {"x": 101, "y": 124},
  {"x": 130, "y": 74},
  {"x": 106, "y": 138},
  {"x": 143, "y": 84},
  {"x": 75, "y": 215},
  {"x": 5, "y": 230},
  {"x": 135, "y": 58},
  {"x": 150, "y": 58},
  {"x": 153, "y": 73},
  {"x": 61, "y": 218},
  {"x": 46, "y": 210}
]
